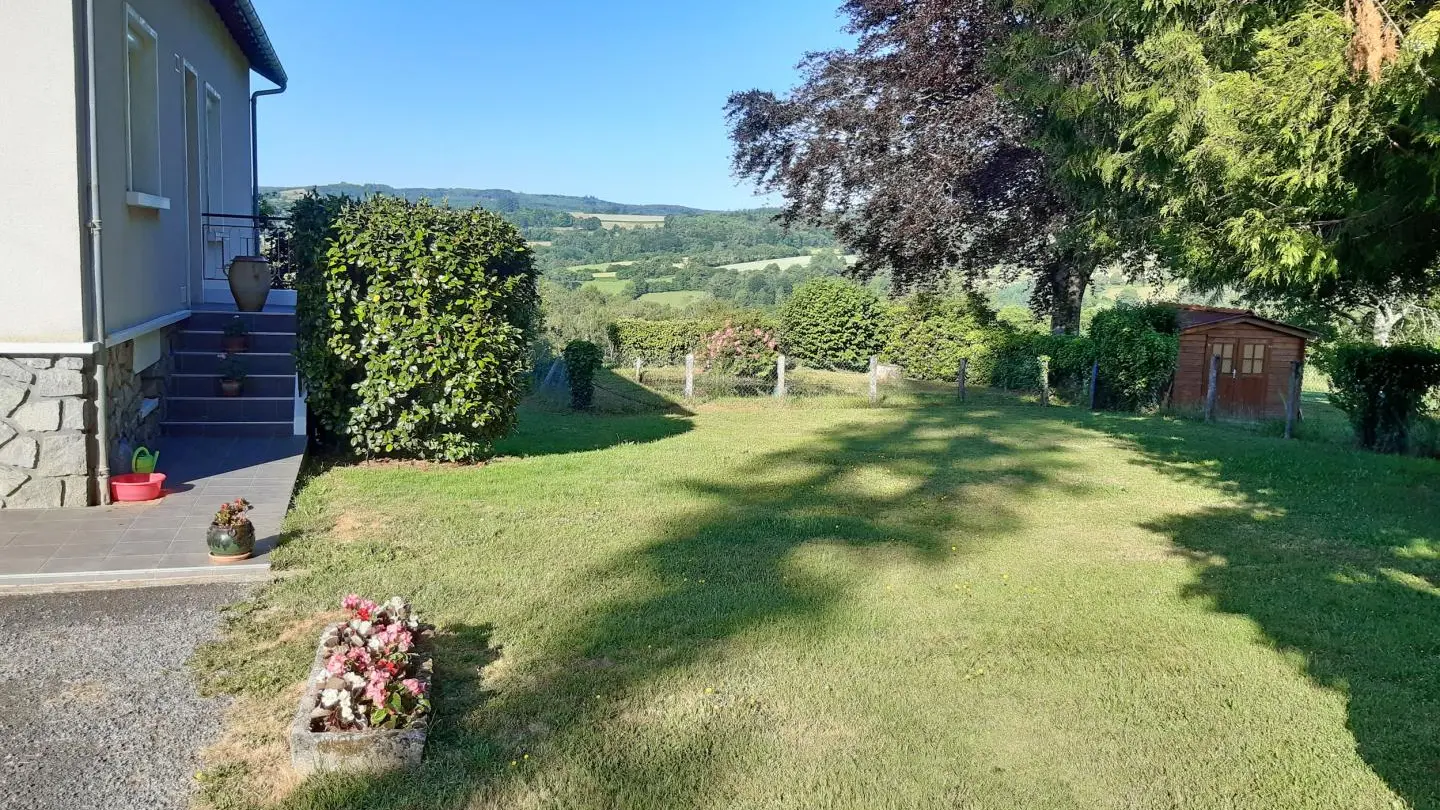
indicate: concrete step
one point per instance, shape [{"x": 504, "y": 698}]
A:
[
  {"x": 230, "y": 409},
  {"x": 254, "y": 362},
  {"x": 262, "y": 342},
  {"x": 221, "y": 429},
  {"x": 208, "y": 385},
  {"x": 254, "y": 321}
]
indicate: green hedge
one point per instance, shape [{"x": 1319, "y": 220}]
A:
[
  {"x": 582, "y": 360},
  {"x": 658, "y": 343},
  {"x": 415, "y": 333},
  {"x": 830, "y": 322},
  {"x": 1382, "y": 389},
  {"x": 1137, "y": 348},
  {"x": 928, "y": 335}
]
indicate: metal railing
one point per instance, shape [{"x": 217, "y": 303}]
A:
[{"x": 229, "y": 235}]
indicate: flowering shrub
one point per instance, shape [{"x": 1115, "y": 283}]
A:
[
  {"x": 233, "y": 513},
  {"x": 371, "y": 678},
  {"x": 742, "y": 351}
]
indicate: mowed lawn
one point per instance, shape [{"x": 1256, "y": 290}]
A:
[{"x": 932, "y": 606}]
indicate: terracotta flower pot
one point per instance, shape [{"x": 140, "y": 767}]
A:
[
  {"x": 234, "y": 344},
  {"x": 229, "y": 544},
  {"x": 250, "y": 282},
  {"x": 231, "y": 388}
]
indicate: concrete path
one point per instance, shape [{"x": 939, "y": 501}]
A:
[{"x": 99, "y": 711}]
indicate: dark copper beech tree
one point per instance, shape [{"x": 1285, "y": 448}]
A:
[{"x": 905, "y": 148}]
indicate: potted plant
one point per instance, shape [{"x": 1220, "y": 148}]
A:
[
  {"x": 236, "y": 338},
  {"x": 231, "y": 535},
  {"x": 232, "y": 376}
]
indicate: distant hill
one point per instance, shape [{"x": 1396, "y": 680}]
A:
[{"x": 494, "y": 199}]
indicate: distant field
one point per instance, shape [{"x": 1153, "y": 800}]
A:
[
  {"x": 603, "y": 267},
  {"x": 604, "y": 275},
  {"x": 609, "y": 286},
  {"x": 624, "y": 220},
  {"x": 678, "y": 298},
  {"x": 785, "y": 264}
]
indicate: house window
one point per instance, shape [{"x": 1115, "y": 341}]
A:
[
  {"x": 1252, "y": 360},
  {"x": 1226, "y": 353},
  {"x": 213, "y": 154},
  {"x": 142, "y": 99}
]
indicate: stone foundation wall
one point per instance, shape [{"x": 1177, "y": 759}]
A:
[
  {"x": 44, "y": 432},
  {"x": 127, "y": 392}
]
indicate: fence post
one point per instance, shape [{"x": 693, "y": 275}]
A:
[
  {"x": 780, "y": 375},
  {"x": 690, "y": 376},
  {"x": 1044, "y": 381},
  {"x": 964, "y": 371},
  {"x": 1292, "y": 407},
  {"x": 1213, "y": 392},
  {"x": 1094, "y": 383},
  {"x": 639, "y": 364},
  {"x": 874, "y": 380}
]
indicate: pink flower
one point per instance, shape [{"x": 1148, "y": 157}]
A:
[
  {"x": 416, "y": 688},
  {"x": 375, "y": 689},
  {"x": 350, "y": 602},
  {"x": 335, "y": 665}
]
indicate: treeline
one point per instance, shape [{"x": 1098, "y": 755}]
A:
[{"x": 708, "y": 239}]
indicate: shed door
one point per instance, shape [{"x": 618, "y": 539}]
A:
[{"x": 1244, "y": 374}]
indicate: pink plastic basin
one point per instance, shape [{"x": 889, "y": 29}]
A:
[{"x": 137, "y": 486}]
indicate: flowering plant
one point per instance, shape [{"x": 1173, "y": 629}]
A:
[
  {"x": 371, "y": 677},
  {"x": 742, "y": 351},
  {"x": 233, "y": 513}
]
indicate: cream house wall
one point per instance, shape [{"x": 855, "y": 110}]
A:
[
  {"x": 150, "y": 264},
  {"x": 41, "y": 212}
]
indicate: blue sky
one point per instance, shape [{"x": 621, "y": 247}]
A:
[{"x": 622, "y": 99}]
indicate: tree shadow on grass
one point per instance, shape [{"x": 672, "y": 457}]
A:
[
  {"x": 903, "y": 489},
  {"x": 1335, "y": 554},
  {"x": 624, "y": 413}
]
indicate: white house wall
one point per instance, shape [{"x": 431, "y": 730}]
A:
[
  {"x": 148, "y": 260},
  {"x": 41, "y": 272}
]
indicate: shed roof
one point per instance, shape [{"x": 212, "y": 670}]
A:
[
  {"x": 249, "y": 33},
  {"x": 1197, "y": 318}
]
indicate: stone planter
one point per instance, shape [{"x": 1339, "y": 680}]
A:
[{"x": 373, "y": 751}]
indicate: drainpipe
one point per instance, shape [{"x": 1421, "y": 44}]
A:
[
  {"x": 255, "y": 155},
  {"x": 97, "y": 279}
]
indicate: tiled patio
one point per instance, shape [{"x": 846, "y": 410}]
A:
[{"x": 162, "y": 539}]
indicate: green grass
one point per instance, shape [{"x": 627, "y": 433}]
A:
[
  {"x": 785, "y": 263},
  {"x": 755, "y": 605},
  {"x": 609, "y": 286},
  {"x": 676, "y": 298}
]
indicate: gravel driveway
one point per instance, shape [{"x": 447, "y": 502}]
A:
[{"x": 99, "y": 711}]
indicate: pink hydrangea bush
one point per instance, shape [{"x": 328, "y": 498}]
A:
[
  {"x": 742, "y": 351},
  {"x": 371, "y": 678}
]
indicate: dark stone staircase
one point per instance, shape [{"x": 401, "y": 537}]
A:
[{"x": 266, "y": 407}]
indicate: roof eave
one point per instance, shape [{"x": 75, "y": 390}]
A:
[{"x": 249, "y": 33}]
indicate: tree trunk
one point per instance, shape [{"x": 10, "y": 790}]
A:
[{"x": 1068, "y": 284}]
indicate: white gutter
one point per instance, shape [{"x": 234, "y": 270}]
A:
[
  {"x": 97, "y": 277},
  {"x": 62, "y": 349}
]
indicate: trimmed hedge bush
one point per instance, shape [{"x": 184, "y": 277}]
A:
[
  {"x": 1382, "y": 389},
  {"x": 582, "y": 360},
  {"x": 415, "y": 333},
  {"x": 929, "y": 335},
  {"x": 661, "y": 343},
  {"x": 833, "y": 323},
  {"x": 1137, "y": 347}
]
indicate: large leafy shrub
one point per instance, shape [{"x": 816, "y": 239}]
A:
[
  {"x": 833, "y": 323},
  {"x": 1382, "y": 389},
  {"x": 1017, "y": 364},
  {"x": 741, "y": 350},
  {"x": 415, "y": 332},
  {"x": 658, "y": 342},
  {"x": 582, "y": 360},
  {"x": 930, "y": 334},
  {"x": 1137, "y": 348}
]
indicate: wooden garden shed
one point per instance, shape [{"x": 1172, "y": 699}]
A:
[{"x": 1256, "y": 356}]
